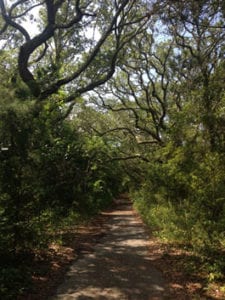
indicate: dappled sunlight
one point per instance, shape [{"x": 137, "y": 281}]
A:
[{"x": 118, "y": 268}]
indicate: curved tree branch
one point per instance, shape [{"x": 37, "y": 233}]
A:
[
  {"x": 121, "y": 28},
  {"x": 9, "y": 21}
]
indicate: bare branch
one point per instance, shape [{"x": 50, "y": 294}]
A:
[
  {"x": 26, "y": 11},
  {"x": 42, "y": 54},
  {"x": 54, "y": 88},
  {"x": 12, "y": 23}
]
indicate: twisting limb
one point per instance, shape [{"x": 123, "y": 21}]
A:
[{"x": 122, "y": 27}]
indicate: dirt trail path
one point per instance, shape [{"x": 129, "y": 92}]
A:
[{"x": 119, "y": 268}]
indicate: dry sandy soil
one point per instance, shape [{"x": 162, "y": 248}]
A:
[
  {"x": 119, "y": 267},
  {"x": 114, "y": 257}
]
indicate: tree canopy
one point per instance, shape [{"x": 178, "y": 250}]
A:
[
  {"x": 103, "y": 97},
  {"x": 74, "y": 46}
]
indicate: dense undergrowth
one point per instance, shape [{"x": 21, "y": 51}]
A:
[
  {"x": 51, "y": 176},
  {"x": 182, "y": 202}
]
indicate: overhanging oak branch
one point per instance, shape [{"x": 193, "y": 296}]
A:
[{"x": 121, "y": 28}]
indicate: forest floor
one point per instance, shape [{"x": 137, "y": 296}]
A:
[{"x": 115, "y": 257}]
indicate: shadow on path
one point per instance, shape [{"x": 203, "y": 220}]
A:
[{"x": 119, "y": 268}]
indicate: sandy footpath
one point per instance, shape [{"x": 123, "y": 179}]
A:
[{"x": 119, "y": 267}]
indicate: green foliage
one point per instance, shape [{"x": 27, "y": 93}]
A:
[
  {"x": 50, "y": 176},
  {"x": 165, "y": 106},
  {"x": 182, "y": 201},
  {"x": 186, "y": 192}
]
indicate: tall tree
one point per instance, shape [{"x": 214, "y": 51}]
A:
[{"x": 199, "y": 33}]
